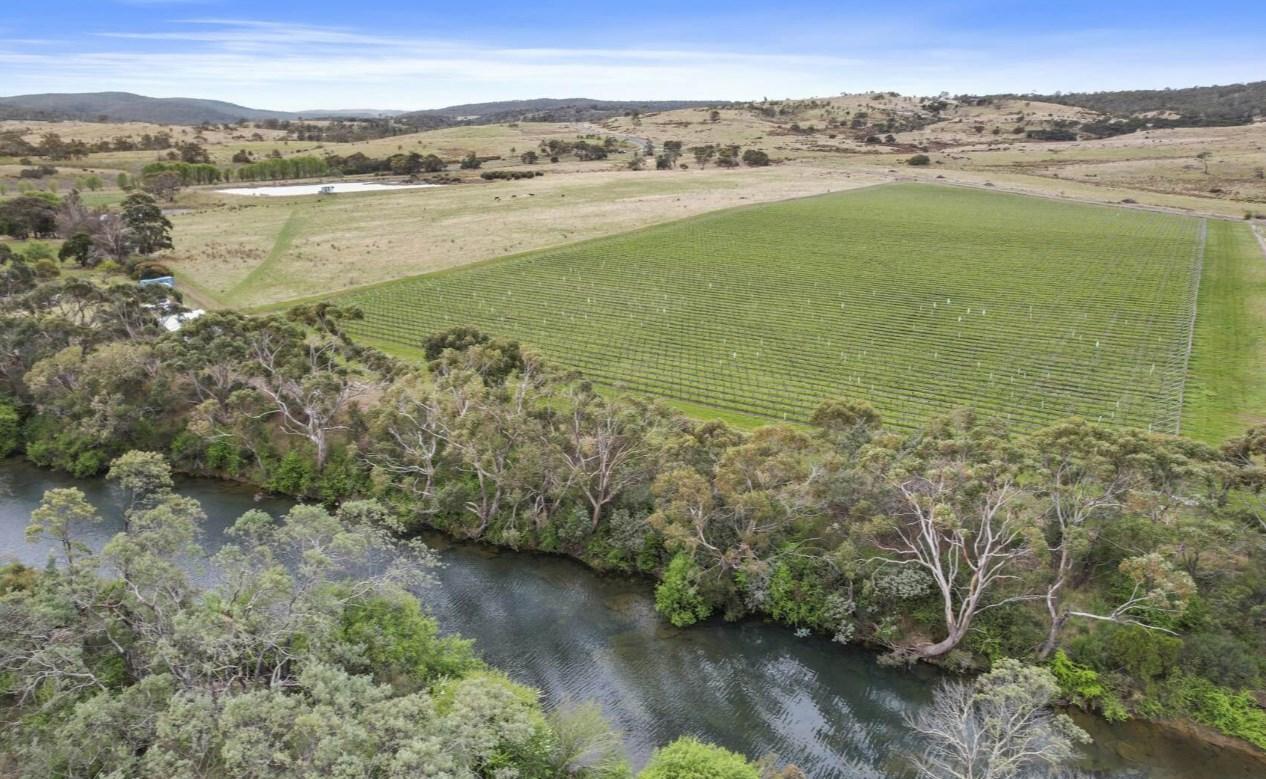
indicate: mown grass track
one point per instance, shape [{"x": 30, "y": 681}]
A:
[{"x": 916, "y": 298}]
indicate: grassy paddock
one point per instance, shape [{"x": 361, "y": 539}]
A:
[
  {"x": 916, "y": 298},
  {"x": 1225, "y": 392}
]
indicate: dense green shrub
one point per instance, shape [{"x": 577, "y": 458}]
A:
[
  {"x": 294, "y": 475},
  {"x": 342, "y": 477},
  {"x": 677, "y": 597},
  {"x": 797, "y": 595},
  {"x": 402, "y": 646},
  {"x": 688, "y": 758},
  {"x": 10, "y": 429},
  {"x": 1081, "y": 686},
  {"x": 51, "y": 444},
  {"x": 1009, "y": 631},
  {"x": 1144, "y": 654},
  {"x": 1233, "y": 713},
  {"x": 188, "y": 450},
  {"x": 1222, "y": 659}
]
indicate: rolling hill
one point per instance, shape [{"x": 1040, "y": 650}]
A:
[{"x": 128, "y": 107}]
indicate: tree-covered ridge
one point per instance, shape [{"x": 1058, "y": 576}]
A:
[
  {"x": 1132, "y": 563},
  {"x": 1225, "y": 104}
]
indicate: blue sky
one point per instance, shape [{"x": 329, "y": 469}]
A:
[{"x": 419, "y": 54}]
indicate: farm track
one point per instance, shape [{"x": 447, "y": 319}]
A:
[{"x": 916, "y": 298}]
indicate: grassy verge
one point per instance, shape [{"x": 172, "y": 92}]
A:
[{"x": 1225, "y": 393}]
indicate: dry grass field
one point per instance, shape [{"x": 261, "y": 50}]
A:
[
  {"x": 1160, "y": 161},
  {"x": 261, "y": 251}
]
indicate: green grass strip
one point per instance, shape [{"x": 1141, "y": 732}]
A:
[{"x": 1226, "y": 392}]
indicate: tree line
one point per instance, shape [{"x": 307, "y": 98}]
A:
[
  {"x": 13, "y": 143},
  {"x": 1129, "y": 565}
]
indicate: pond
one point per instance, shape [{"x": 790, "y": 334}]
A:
[
  {"x": 289, "y": 190},
  {"x": 751, "y": 686}
]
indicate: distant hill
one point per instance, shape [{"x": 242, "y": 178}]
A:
[
  {"x": 1229, "y": 104},
  {"x": 127, "y": 107},
  {"x": 546, "y": 110}
]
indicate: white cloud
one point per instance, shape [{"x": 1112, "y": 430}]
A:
[{"x": 296, "y": 66}]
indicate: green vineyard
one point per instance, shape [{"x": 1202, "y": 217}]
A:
[{"x": 916, "y": 298}]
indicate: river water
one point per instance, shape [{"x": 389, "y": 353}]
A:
[{"x": 753, "y": 686}]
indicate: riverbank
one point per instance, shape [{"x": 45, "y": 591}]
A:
[{"x": 576, "y": 633}]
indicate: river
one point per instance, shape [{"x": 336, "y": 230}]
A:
[{"x": 752, "y": 686}]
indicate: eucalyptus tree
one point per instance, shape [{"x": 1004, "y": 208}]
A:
[
  {"x": 305, "y": 381},
  {"x": 603, "y": 446},
  {"x": 1087, "y": 476},
  {"x": 957, "y": 510}
]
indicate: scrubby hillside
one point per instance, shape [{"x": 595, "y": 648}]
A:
[
  {"x": 545, "y": 110},
  {"x": 1228, "y": 104}
]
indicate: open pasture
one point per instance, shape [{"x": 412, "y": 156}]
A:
[
  {"x": 916, "y": 298},
  {"x": 254, "y": 252}
]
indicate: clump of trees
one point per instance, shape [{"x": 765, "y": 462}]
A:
[
  {"x": 583, "y": 149},
  {"x": 409, "y": 164},
  {"x": 509, "y": 175},
  {"x": 728, "y": 156},
  {"x": 92, "y": 234},
  {"x": 29, "y": 216}
]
